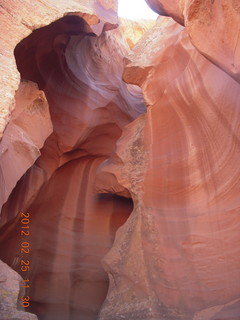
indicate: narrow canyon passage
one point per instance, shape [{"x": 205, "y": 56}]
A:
[
  {"x": 71, "y": 226},
  {"x": 123, "y": 154}
]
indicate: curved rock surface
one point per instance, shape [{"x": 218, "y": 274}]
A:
[
  {"x": 79, "y": 70},
  {"x": 55, "y": 57},
  {"x": 15, "y": 18},
  {"x": 178, "y": 252},
  {"x": 71, "y": 228},
  {"x": 172, "y": 8},
  {"x": 24, "y": 136},
  {"x": 176, "y": 257},
  {"x": 217, "y": 20}
]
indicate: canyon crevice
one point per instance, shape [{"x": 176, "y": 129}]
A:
[{"x": 121, "y": 140}]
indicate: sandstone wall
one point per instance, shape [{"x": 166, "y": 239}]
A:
[{"x": 74, "y": 128}]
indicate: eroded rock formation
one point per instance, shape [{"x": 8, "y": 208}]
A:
[
  {"x": 79, "y": 69},
  {"x": 72, "y": 66},
  {"x": 15, "y": 18},
  {"x": 178, "y": 252},
  {"x": 23, "y": 137},
  {"x": 10, "y": 292},
  {"x": 210, "y": 25},
  {"x": 77, "y": 128}
]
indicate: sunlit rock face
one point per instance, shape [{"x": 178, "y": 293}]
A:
[
  {"x": 132, "y": 31},
  {"x": 173, "y": 8},
  {"x": 210, "y": 25},
  {"x": 178, "y": 255}
]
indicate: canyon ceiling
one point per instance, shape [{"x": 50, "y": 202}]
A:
[{"x": 120, "y": 143}]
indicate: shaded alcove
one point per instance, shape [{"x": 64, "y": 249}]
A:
[
  {"x": 72, "y": 227},
  {"x": 70, "y": 234}
]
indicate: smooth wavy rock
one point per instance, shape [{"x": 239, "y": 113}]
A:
[
  {"x": 173, "y": 8},
  {"x": 178, "y": 253},
  {"x": 79, "y": 71},
  {"x": 72, "y": 66},
  {"x": 72, "y": 227},
  {"x": 15, "y": 18},
  {"x": 217, "y": 20},
  {"x": 20, "y": 146}
]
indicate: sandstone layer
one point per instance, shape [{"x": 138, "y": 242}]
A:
[
  {"x": 213, "y": 27},
  {"x": 74, "y": 128},
  {"x": 72, "y": 229},
  {"x": 18, "y": 23},
  {"x": 178, "y": 253},
  {"x": 10, "y": 292},
  {"x": 24, "y": 136},
  {"x": 43, "y": 58},
  {"x": 70, "y": 124}
]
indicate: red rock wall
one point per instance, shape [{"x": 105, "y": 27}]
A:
[
  {"x": 79, "y": 70},
  {"x": 178, "y": 254},
  {"x": 18, "y": 23},
  {"x": 9, "y": 294},
  {"x": 213, "y": 27},
  {"x": 87, "y": 104},
  {"x": 72, "y": 228},
  {"x": 23, "y": 138}
]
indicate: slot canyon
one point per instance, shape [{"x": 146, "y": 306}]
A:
[{"x": 119, "y": 147}]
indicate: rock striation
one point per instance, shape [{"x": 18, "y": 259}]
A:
[
  {"x": 49, "y": 57},
  {"x": 15, "y": 18},
  {"x": 134, "y": 211},
  {"x": 216, "y": 19},
  {"x": 73, "y": 118},
  {"x": 178, "y": 253}
]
